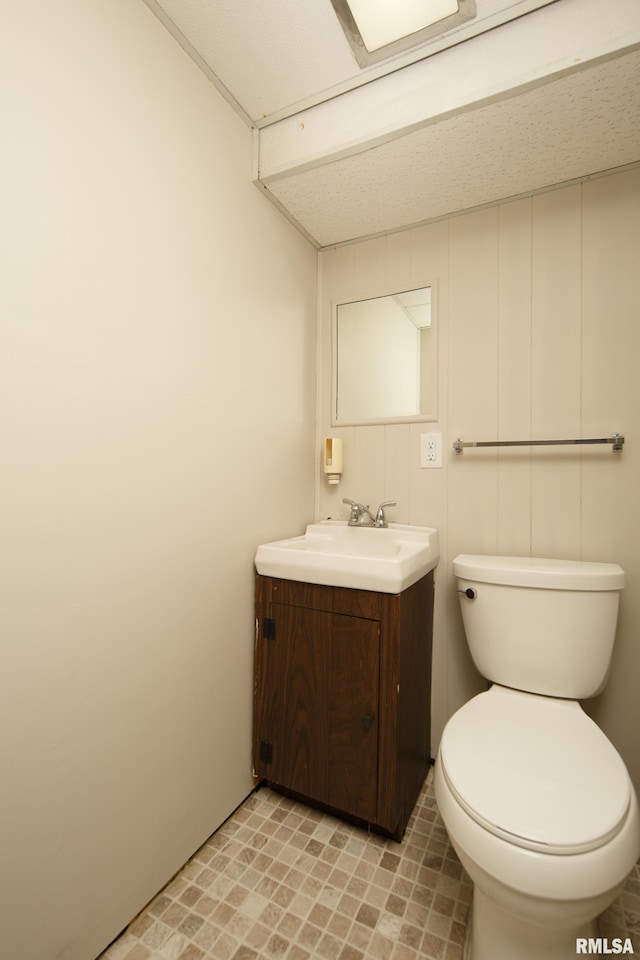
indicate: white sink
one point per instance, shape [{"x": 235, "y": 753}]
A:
[{"x": 331, "y": 552}]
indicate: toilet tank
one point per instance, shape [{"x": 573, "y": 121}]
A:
[{"x": 544, "y": 626}]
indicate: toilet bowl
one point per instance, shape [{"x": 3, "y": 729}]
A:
[
  {"x": 543, "y": 817},
  {"x": 537, "y": 802}
]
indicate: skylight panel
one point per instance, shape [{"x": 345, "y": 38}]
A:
[
  {"x": 381, "y": 22},
  {"x": 378, "y": 29}
]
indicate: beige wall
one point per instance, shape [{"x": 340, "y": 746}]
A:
[
  {"x": 158, "y": 399},
  {"x": 158, "y": 392},
  {"x": 538, "y": 338}
]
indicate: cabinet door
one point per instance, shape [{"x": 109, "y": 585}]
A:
[
  {"x": 353, "y": 715},
  {"x": 320, "y": 707},
  {"x": 296, "y": 718}
]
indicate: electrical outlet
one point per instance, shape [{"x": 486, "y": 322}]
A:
[{"x": 431, "y": 450}]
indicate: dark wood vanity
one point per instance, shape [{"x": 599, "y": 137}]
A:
[{"x": 342, "y": 696}]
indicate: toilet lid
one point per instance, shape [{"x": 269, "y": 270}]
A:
[{"x": 536, "y": 771}]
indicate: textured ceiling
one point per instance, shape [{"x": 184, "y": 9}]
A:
[
  {"x": 272, "y": 55},
  {"x": 571, "y": 128},
  {"x": 568, "y": 105}
]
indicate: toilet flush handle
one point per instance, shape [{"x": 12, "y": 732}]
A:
[{"x": 470, "y": 592}]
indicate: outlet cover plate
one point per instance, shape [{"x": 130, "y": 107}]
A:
[{"x": 431, "y": 450}]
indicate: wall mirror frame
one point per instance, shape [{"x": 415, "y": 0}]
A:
[{"x": 385, "y": 356}]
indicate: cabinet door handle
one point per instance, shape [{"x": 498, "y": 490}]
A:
[{"x": 367, "y": 723}]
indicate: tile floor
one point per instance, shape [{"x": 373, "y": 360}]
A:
[{"x": 281, "y": 881}]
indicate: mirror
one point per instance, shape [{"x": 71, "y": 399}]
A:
[{"x": 385, "y": 358}]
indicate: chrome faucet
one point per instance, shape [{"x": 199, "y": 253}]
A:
[
  {"x": 361, "y": 516},
  {"x": 381, "y": 520}
]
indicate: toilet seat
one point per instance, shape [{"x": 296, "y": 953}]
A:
[{"x": 535, "y": 771}]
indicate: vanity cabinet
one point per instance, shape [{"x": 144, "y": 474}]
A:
[{"x": 342, "y": 696}]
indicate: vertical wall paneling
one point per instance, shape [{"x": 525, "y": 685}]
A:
[
  {"x": 610, "y": 519},
  {"x": 472, "y": 517},
  {"x": 367, "y": 471},
  {"x": 555, "y": 370},
  {"x": 538, "y": 337},
  {"x": 473, "y": 378},
  {"x": 398, "y": 454},
  {"x": 398, "y": 261},
  {"x": 514, "y": 380}
]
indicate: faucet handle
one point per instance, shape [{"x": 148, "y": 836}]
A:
[
  {"x": 381, "y": 520},
  {"x": 356, "y": 509}
]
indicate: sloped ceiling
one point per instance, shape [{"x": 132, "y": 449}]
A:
[{"x": 529, "y": 94}]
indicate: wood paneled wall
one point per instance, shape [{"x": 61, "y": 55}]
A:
[{"x": 538, "y": 337}]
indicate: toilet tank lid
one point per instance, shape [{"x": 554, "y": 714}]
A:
[{"x": 539, "y": 572}]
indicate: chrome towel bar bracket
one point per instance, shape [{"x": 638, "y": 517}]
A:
[{"x": 616, "y": 439}]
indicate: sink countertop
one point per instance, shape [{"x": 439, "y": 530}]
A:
[{"x": 387, "y": 559}]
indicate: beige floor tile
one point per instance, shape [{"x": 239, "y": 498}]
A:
[{"x": 282, "y": 881}]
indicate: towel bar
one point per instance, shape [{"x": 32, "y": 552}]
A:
[{"x": 617, "y": 440}]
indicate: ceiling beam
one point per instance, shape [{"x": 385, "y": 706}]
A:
[{"x": 534, "y": 50}]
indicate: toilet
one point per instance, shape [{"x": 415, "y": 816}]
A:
[{"x": 538, "y": 804}]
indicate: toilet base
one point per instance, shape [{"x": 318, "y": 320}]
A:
[
  {"x": 494, "y": 934},
  {"x": 466, "y": 943}
]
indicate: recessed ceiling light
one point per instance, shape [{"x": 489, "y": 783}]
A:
[
  {"x": 377, "y": 29},
  {"x": 385, "y": 21}
]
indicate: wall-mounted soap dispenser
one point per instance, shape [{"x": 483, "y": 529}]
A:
[{"x": 332, "y": 459}]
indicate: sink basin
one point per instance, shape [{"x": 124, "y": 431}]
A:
[{"x": 331, "y": 552}]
